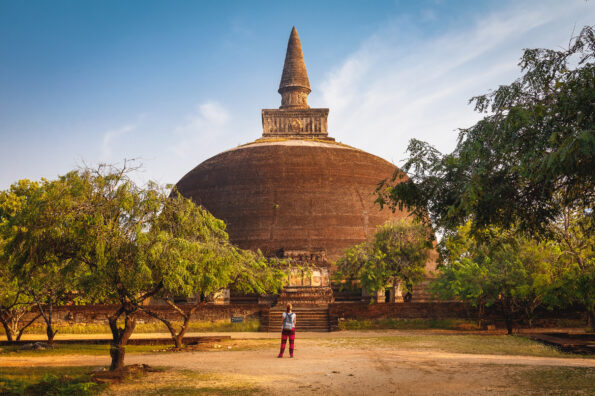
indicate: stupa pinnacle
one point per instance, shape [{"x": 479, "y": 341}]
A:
[
  {"x": 295, "y": 119},
  {"x": 294, "y": 86}
]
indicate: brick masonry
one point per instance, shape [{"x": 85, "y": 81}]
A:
[{"x": 97, "y": 314}]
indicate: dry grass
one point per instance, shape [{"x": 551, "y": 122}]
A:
[
  {"x": 407, "y": 324},
  {"x": 77, "y": 349},
  {"x": 186, "y": 382},
  {"x": 251, "y": 325},
  {"x": 465, "y": 343}
]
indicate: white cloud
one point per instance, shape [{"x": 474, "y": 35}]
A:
[
  {"x": 114, "y": 134},
  {"x": 396, "y": 87},
  {"x": 207, "y": 124},
  {"x": 109, "y": 136}
]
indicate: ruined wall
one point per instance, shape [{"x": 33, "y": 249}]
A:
[
  {"x": 97, "y": 314},
  {"x": 444, "y": 310},
  {"x": 412, "y": 310}
]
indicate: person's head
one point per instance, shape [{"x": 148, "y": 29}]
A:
[{"x": 289, "y": 307}]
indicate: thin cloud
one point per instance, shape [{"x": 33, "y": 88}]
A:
[
  {"x": 114, "y": 134},
  {"x": 392, "y": 89},
  {"x": 109, "y": 136},
  {"x": 208, "y": 123}
]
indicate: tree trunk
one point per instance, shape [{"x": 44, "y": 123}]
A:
[
  {"x": 591, "y": 319},
  {"x": 507, "y": 317},
  {"x": 508, "y": 325},
  {"x": 48, "y": 325},
  {"x": 177, "y": 337},
  {"x": 8, "y": 331},
  {"x": 178, "y": 340},
  {"x": 120, "y": 338},
  {"x": 51, "y": 334},
  {"x": 47, "y": 316},
  {"x": 22, "y": 330},
  {"x": 480, "y": 315}
]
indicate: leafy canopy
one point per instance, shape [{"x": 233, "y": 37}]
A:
[
  {"x": 526, "y": 161},
  {"x": 138, "y": 242},
  {"x": 398, "y": 251},
  {"x": 498, "y": 266}
]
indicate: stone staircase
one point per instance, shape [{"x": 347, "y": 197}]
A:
[
  {"x": 309, "y": 318},
  {"x": 305, "y": 295}
]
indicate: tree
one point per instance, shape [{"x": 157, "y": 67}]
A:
[
  {"x": 495, "y": 267},
  {"x": 41, "y": 246},
  {"x": 138, "y": 243},
  {"x": 188, "y": 234},
  {"x": 574, "y": 280},
  {"x": 523, "y": 164},
  {"x": 14, "y": 302},
  {"x": 397, "y": 253}
]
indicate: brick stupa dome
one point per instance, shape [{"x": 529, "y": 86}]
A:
[
  {"x": 292, "y": 195},
  {"x": 295, "y": 189}
]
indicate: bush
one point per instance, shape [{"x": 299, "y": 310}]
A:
[{"x": 51, "y": 385}]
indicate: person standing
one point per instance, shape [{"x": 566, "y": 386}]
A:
[{"x": 288, "y": 331}]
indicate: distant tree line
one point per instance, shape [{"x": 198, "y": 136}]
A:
[{"x": 95, "y": 236}]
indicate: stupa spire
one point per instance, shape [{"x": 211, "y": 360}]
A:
[
  {"x": 295, "y": 119},
  {"x": 294, "y": 86}
]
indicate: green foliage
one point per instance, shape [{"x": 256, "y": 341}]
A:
[
  {"x": 48, "y": 381},
  {"x": 397, "y": 252},
  {"x": 497, "y": 267},
  {"x": 57, "y": 386},
  {"x": 40, "y": 244},
  {"x": 522, "y": 165},
  {"x": 406, "y": 324},
  {"x": 573, "y": 278},
  {"x": 96, "y": 236},
  {"x": 14, "y": 302},
  {"x": 139, "y": 243},
  {"x": 505, "y": 267}
]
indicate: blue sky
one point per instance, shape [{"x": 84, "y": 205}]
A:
[{"x": 176, "y": 82}]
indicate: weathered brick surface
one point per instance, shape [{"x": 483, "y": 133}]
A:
[
  {"x": 280, "y": 196},
  {"x": 442, "y": 310},
  {"x": 412, "y": 310},
  {"x": 98, "y": 313}
]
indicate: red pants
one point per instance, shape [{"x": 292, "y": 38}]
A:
[{"x": 284, "y": 335}]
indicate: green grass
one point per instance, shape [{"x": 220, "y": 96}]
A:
[
  {"x": 466, "y": 343},
  {"x": 250, "y": 325},
  {"x": 77, "y": 349},
  {"x": 555, "y": 380},
  {"x": 47, "y": 381},
  {"x": 407, "y": 324}
]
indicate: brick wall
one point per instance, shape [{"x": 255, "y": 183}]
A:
[
  {"x": 441, "y": 310},
  {"x": 98, "y": 313},
  {"x": 412, "y": 310}
]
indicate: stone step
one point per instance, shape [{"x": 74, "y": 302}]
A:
[{"x": 309, "y": 318}]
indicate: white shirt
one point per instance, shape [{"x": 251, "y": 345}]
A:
[{"x": 285, "y": 315}]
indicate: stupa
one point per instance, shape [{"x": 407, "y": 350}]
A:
[{"x": 295, "y": 192}]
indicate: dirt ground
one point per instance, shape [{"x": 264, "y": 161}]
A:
[{"x": 320, "y": 367}]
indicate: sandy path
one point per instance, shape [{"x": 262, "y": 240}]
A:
[
  {"x": 341, "y": 370},
  {"x": 318, "y": 335}
]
